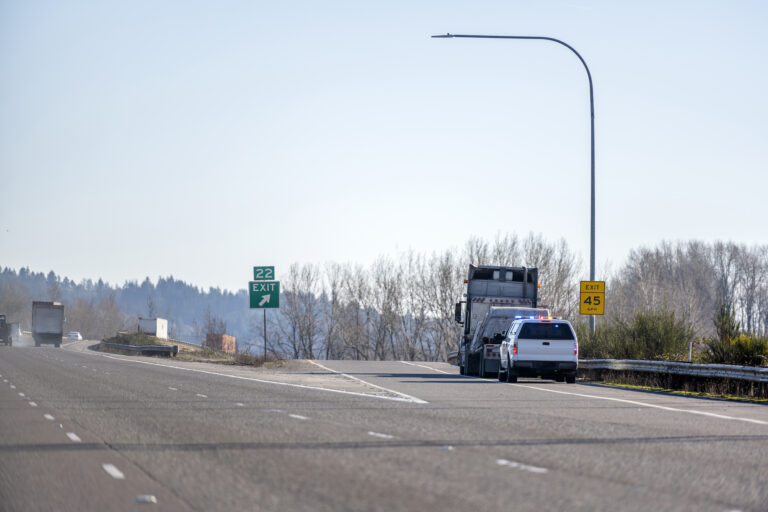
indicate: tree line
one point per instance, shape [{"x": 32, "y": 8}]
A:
[{"x": 401, "y": 307}]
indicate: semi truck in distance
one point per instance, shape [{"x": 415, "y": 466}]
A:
[
  {"x": 491, "y": 287},
  {"x": 492, "y": 330},
  {"x": 5, "y": 332},
  {"x": 47, "y": 323}
]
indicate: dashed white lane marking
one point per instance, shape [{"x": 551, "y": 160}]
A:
[
  {"x": 32, "y": 404},
  {"x": 73, "y": 437},
  {"x": 425, "y": 366},
  {"x": 172, "y": 388},
  {"x": 240, "y": 404},
  {"x": 272, "y": 410},
  {"x": 522, "y": 467},
  {"x": 298, "y": 416},
  {"x": 48, "y": 417},
  {"x": 21, "y": 394},
  {"x": 13, "y": 387},
  {"x": 145, "y": 498},
  {"x": 400, "y": 398},
  {"x": 654, "y": 406},
  {"x": 202, "y": 395},
  {"x": 383, "y": 436},
  {"x": 5, "y": 380},
  {"x": 113, "y": 471}
]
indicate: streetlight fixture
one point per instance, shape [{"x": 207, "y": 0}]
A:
[{"x": 592, "y": 131}]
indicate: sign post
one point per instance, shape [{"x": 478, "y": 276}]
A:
[
  {"x": 263, "y": 293},
  {"x": 592, "y": 298}
]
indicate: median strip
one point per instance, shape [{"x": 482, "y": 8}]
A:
[{"x": 401, "y": 397}]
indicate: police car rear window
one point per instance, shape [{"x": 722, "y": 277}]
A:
[{"x": 547, "y": 331}]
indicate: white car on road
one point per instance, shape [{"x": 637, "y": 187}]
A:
[
  {"x": 545, "y": 348},
  {"x": 74, "y": 335}
]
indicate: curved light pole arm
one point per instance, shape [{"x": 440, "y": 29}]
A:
[{"x": 592, "y": 137}]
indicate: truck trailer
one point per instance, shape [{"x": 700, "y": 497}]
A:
[
  {"x": 47, "y": 323},
  {"x": 5, "y": 332},
  {"x": 491, "y": 332},
  {"x": 490, "y": 286}
]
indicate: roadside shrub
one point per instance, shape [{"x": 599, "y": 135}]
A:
[
  {"x": 649, "y": 335},
  {"x": 134, "y": 338},
  {"x": 730, "y": 347},
  {"x": 744, "y": 350}
]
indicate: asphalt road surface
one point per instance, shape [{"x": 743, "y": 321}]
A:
[{"x": 81, "y": 430}]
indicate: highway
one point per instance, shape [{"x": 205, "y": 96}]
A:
[{"x": 81, "y": 430}]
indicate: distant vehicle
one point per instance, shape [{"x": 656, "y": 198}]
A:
[
  {"x": 5, "y": 332},
  {"x": 74, "y": 335},
  {"x": 47, "y": 323},
  {"x": 15, "y": 333},
  {"x": 545, "y": 348},
  {"x": 489, "y": 286}
]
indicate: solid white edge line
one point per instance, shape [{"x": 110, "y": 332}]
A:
[
  {"x": 73, "y": 437},
  {"x": 113, "y": 471},
  {"x": 642, "y": 404},
  {"x": 654, "y": 406},
  {"x": 425, "y": 366},
  {"x": 405, "y": 398}
]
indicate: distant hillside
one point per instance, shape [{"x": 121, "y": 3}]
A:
[{"x": 98, "y": 309}]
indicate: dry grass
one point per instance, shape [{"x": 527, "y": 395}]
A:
[{"x": 700, "y": 386}]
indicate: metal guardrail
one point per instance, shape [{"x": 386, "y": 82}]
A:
[
  {"x": 752, "y": 373},
  {"x": 723, "y": 371},
  {"x": 186, "y": 344},
  {"x": 145, "y": 350}
]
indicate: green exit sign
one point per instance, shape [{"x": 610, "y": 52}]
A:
[
  {"x": 264, "y": 294},
  {"x": 263, "y": 273}
]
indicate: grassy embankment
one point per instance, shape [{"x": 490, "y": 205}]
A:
[{"x": 189, "y": 353}]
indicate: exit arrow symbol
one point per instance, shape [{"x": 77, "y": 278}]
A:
[{"x": 264, "y": 300}]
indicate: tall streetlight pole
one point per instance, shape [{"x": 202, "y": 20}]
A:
[{"x": 592, "y": 141}]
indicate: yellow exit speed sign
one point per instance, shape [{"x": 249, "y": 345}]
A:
[{"x": 592, "y": 298}]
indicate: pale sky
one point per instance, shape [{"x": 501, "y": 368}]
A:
[{"x": 198, "y": 139}]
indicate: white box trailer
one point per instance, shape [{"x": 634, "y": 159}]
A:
[
  {"x": 47, "y": 323},
  {"x": 157, "y": 327}
]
